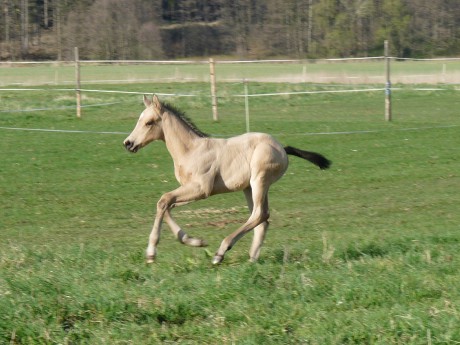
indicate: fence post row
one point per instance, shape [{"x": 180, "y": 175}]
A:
[{"x": 212, "y": 69}]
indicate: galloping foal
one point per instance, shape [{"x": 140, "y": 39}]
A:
[{"x": 206, "y": 166}]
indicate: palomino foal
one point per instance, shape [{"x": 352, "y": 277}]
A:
[{"x": 206, "y": 166}]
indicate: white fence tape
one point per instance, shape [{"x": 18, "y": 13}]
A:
[
  {"x": 204, "y": 62},
  {"x": 140, "y": 93},
  {"x": 434, "y": 59},
  {"x": 60, "y": 130},
  {"x": 219, "y": 135},
  {"x": 197, "y": 62},
  {"x": 56, "y": 108},
  {"x": 307, "y": 92},
  {"x": 102, "y": 91}
]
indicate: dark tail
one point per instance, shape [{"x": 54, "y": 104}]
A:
[{"x": 313, "y": 157}]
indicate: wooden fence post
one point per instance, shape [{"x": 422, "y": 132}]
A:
[
  {"x": 77, "y": 81},
  {"x": 212, "y": 69},
  {"x": 388, "y": 83}
]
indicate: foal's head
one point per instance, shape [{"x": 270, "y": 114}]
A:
[{"x": 148, "y": 127}]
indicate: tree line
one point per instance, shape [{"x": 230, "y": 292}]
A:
[{"x": 158, "y": 29}]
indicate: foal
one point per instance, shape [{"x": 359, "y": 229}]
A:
[{"x": 206, "y": 166}]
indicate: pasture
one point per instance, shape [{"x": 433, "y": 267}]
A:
[
  {"x": 364, "y": 253},
  {"x": 313, "y": 71}
]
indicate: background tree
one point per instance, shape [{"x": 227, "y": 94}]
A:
[{"x": 155, "y": 29}]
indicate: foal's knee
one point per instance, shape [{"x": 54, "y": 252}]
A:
[
  {"x": 259, "y": 218},
  {"x": 264, "y": 215},
  {"x": 164, "y": 203}
]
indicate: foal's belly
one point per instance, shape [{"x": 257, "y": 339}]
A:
[{"x": 225, "y": 183}]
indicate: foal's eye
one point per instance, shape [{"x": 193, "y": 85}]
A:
[{"x": 150, "y": 123}]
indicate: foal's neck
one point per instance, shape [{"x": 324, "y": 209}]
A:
[{"x": 179, "y": 138}]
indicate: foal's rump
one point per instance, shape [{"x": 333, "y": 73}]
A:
[
  {"x": 269, "y": 159},
  {"x": 246, "y": 156}
]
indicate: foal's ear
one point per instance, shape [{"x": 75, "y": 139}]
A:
[
  {"x": 156, "y": 102},
  {"x": 147, "y": 101}
]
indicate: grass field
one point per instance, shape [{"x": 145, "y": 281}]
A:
[{"x": 364, "y": 253}]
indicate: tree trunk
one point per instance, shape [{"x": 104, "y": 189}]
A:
[
  {"x": 309, "y": 26},
  {"x": 24, "y": 27},
  {"x": 7, "y": 20},
  {"x": 57, "y": 28},
  {"x": 45, "y": 14}
]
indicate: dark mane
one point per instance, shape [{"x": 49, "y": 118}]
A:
[{"x": 185, "y": 119}]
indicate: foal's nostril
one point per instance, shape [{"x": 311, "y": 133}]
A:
[{"x": 130, "y": 146}]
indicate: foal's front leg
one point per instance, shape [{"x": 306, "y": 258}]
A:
[
  {"x": 181, "y": 195},
  {"x": 154, "y": 237}
]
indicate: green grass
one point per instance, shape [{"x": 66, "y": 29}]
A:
[{"x": 364, "y": 253}]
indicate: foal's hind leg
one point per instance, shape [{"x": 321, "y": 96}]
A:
[
  {"x": 180, "y": 234},
  {"x": 259, "y": 231},
  {"x": 258, "y": 216}
]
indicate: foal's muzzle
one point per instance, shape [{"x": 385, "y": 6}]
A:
[{"x": 129, "y": 145}]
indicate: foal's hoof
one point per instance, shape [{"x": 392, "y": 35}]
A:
[
  {"x": 217, "y": 259},
  {"x": 150, "y": 259},
  {"x": 196, "y": 242}
]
